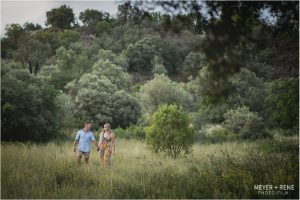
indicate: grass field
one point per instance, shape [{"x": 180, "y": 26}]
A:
[{"x": 227, "y": 170}]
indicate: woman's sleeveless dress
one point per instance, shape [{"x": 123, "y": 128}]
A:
[{"x": 105, "y": 149}]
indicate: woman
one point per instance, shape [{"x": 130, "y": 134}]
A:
[{"x": 106, "y": 144}]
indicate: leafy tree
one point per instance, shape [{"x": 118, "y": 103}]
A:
[
  {"x": 140, "y": 55},
  {"x": 249, "y": 125},
  {"x": 97, "y": 98},
  {"x": 67, "y": 37},
  {"x": 71, "y": 63},
  {"x": 207, "y": 86},
  {"x": 161, "y": 90},
  {"x": 62, "y": 17},
  {"x": 169, "y": 131},
  {"x": 96, "y": 22},
  {"x": 32, "y": 52},
  {"x": 193, "y": 62},
  {"x": 119, "y": 60},
  {"x": 31, "y": 26},
  {"x": 158, "y": 67},
  {"x": 116, "y": 75},
  {"x": 283, "y": 101},
  {"x": 249, "y": 90},
  {"x": 131, "y": 13},
  {"x": 49, "y": 36},
  {"x": 102, "y": 27},
  {"x": 29, "y": 108},
  {"x": 91, "y": 16},
  {"x": 126, "y": 109},
  {"x": 9, "y": 43},
  {"x": 209, "y": 112}
]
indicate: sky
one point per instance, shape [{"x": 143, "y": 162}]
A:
[{"x": 35, "y": 11}]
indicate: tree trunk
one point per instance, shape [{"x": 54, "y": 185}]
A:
[
  {"x": 36, "y": 68},
  {"x": 30, "y": 67}
]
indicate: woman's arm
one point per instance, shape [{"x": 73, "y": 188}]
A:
[{"x": 100, "y": 139}]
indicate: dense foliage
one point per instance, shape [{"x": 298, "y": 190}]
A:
[
  {"x": 169, "y": 131},
  {"x": 231, "y": 64}
]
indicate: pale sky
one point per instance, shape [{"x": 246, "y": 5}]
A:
[{"x": 35, "y": 11}]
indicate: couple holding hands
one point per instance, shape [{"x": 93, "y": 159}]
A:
[{"x": 106, "y": 143}]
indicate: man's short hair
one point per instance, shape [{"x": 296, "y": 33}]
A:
[{"x": 87, "y": 122}]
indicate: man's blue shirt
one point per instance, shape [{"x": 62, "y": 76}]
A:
[{"x": 84, "y": 139}]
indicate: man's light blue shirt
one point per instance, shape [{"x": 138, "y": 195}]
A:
[{"x": 84, "y": 139}]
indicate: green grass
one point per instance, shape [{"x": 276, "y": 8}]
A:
[{"x": 227, "y": 170}]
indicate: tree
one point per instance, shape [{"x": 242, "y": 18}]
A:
[
  {"x": 193, "y": 62},
  {"x": 96, "y": 22},
  {"x": 119, "y": 60},
  {"x": 29, "y": 108},
  {"x": 247, "y": 124},
  {"x": 141, "y": 55},
  {"x": 248, "y": 90},
  {"x": 32, "y": 52},
  {"x": 131, "y": 13},
  {"x": 208, "y": 86},
  {"x": 158, "y": 67},
  {"x": 67, "y": 37},
  {"x": 283, "y": 101},
  {"x": 169, "y": 131},
  {"x": 49, "y": 36},
  {"x": 90, "y": 17},
  {"x": 62, "y": 17},
  {"x": 71, "y": 63},
  {"x": 116, "y": 75},
  {"x": 161, "y": 90},
  {"x": 98, "y": 96},
  {"x": 9, "y": 43},
  {"x": 28, "y": 26}
]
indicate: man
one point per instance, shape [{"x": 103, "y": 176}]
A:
[{"x": 83, "y": 138}]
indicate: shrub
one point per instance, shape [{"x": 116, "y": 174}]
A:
[
  {"x": 161, "y": 90},
  {"x": 214, "y": 134},
  {"x": 209, "y": 113},
  {"x": 283, "y": 99},
  {"x": 245, "y": 123},
  {"x": 219, "y": 134},
  {"x": 169, "y": 131},
  {"x": 30, "y": 109},
  {"x": 132, "y": 132}
]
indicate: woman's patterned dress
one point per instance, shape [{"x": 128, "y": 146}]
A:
[{"x": 105, "y": 149}]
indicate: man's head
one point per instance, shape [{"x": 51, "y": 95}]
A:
[{"x": 87, "y": 125}]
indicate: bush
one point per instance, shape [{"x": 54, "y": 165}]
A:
[
  {"x": 132, "y": 132},
  {"x": 30, "y": 108},
  {"x": 100, "y": 100},
  {"x": 214, "y": 134},
  {"x": 245, "y": 123},
  {"x": 141, "y": 54},
  {"x": 283, "y": 100},
  {"x": 169, "y": 131},
  {"x": 209, "y": 113},
  {"x": 219, "y": 134},
  {"x": 101, "y": 96},
  {"x": 161, "y": 90}
]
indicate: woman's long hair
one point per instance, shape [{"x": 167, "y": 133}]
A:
[{"x": 109, "y": 129}]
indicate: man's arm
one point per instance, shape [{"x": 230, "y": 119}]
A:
[
  {"x": 96, "y": 145},
  {"x": 74, "y": 145},
  {"x": 94, "y": 141},
  {"x": 76, "y": 141}
]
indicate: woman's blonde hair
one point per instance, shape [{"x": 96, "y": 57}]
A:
[{"x": 108, "y": 126}]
